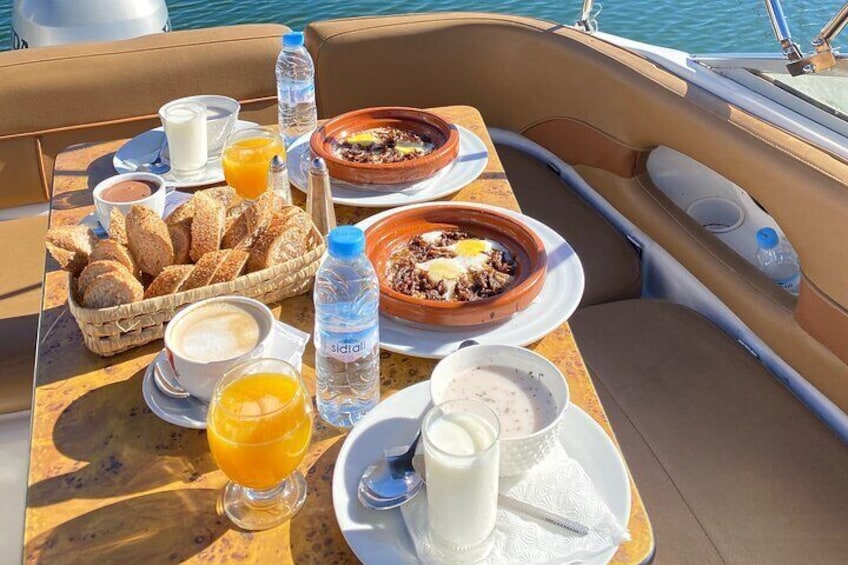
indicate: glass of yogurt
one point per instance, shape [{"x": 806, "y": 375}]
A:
[
  {"x": 462, "y": 459},
  {"x": 185, "y": 127}
]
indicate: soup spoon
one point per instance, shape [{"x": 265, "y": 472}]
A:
[{"x": 392, "y": 481}]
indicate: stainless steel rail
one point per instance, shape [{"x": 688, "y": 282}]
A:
[
  {"x": 823, "y": 58},
  {"x": 587, "y": 21}
]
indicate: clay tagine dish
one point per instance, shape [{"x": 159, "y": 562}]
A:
[
  {"x": 387, "y": 145},
  {"x": 455, "y": 265}
]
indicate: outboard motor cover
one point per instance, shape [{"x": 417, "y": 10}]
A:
[{"x": 36, "y": 23}]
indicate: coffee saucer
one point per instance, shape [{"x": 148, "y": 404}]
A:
[
  {"x": 144, "y": 147},
  {"x": 184, "y": 412},
  {"x": 190, "y": 412}
]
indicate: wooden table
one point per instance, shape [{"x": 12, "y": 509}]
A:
[{"x": 110, "y": 482}]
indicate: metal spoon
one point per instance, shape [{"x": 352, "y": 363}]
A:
[
  {"x": 156, "y": 166},
  {"x": 166, "y": 380},
  {"x": 392, "y": 481}
]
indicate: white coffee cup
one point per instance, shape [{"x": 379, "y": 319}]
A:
[
  {"x": 199, "y": 376},
  {"x": 156, "y": 201}
]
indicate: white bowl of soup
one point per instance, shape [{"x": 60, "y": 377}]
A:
[{"x": 526, "y": 391}]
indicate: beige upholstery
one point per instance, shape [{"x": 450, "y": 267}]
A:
[
  {"x": 610, "y": 263},
  {"x": 22, "y": 257},
  {"x": 731, "y": 466},
  {"x": 758, "y": 302},
  {"x": 538, "y": 78},
  {"x": 70, "y": 94},
  {"x": 80, "y": 93}
]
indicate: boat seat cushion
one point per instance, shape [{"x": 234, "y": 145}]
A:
[
  {"x": 22, "y": 257},
  {"x": 610, "y": 263},
  {"x": 732, "y": 467},
  {"x": 68, "y": 94}
]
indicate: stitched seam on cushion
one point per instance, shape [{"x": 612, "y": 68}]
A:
[
  {"x": 461, "y": 16},
  {"x": 615, "y": 401},
  {"x": 106, "y": 123},
  {"x": 138, "y": 51},
  {"x": 714, "y": 113},
  {"x": 703, "y": 246}
]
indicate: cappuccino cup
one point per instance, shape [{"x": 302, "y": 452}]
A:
[{"x": 209, "y": 338}]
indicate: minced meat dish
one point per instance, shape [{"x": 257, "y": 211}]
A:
[
  {"x": 383, "y": 145},
  {"x": 451, "y": 265}
]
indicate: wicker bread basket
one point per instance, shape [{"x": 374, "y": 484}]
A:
[{"x": 109, "y": 331}]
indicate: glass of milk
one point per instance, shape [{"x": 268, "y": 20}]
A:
[
  {"x": 462, "y": 458},
  {"x": 185, "y": 128}
]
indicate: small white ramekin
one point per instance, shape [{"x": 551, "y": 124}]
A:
[{"x": 155, "y": 201}]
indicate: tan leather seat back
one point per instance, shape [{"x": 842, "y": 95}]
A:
[
  {"x": 569, "y": 91},
  {"x": 54, "y": 97}
]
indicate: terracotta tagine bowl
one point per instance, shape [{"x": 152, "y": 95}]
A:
[
  {"x": 443, "y": 135},
  {"x": 389, "y": 235}
]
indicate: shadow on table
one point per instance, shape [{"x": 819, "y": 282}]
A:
[
  {"x": 100, "y": 169},
  {"x": 315, "y": 533},
  {"x": 154, "y": 528},
  {"x": 61, "y": 353},
  {"x": 128, "y": 448}
]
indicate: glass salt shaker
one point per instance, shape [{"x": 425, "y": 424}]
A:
[{"x": 278, "y": 179}]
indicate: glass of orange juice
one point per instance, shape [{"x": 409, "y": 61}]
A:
[
  {"x": 246, "y": 158},
  {"x": 259, "y": 425}
]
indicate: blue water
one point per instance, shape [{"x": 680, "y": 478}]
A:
[{"x": 696, "y": 26}]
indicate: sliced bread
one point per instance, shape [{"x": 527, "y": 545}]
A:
[
  {"x": 149, "y": 240},
  {"x": 70, "y": 246},
  {"x": 97, "y": 268},
  {"x": 207, "y": 226},
  {"x": 112, "y": 289},
  {"x": 204, "y": 270},
  {"x": 285, "y": 238},
  {"x": 117, "y": 226},
  {"x": 181, "y": 239},
  {"x": 110, "y": 250},
  {"x": 231, "y": 267},
  {"x": 168, "y": 281}
]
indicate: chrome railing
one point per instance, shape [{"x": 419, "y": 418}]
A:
[
  {"x": 823, "y": 57},
  {"x": 588, "y": 21}
]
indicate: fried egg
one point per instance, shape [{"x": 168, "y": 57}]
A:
[{"x": 470, "y": 256}]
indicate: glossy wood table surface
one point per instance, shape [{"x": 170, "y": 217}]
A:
[{"x": 110, "y": 482}]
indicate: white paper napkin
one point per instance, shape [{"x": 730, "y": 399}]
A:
[
  {"x": 289, "y": 344},
  {"x": 560, "y": 485}
]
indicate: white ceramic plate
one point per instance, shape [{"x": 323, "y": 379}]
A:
[
  {"x": 556, "y": 302},
  {"x": 467, "y": 166},
  {"x": 381, "y": 537},
  {"x": 142, "y": 147}
]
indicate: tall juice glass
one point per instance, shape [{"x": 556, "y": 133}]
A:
[
  {"x": 462, "y": 457},
  {"x": 259, "y": 425},
  {"x": 246, "y": 158}
]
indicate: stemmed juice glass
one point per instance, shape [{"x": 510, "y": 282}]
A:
[
  {"x": 246, "y": 157},
  {"x": 259, "y": 426}
]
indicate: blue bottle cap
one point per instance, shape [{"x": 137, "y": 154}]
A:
[
  {"x": 346, "y": 242},
  {"x": 293, "y": 39},
  {"x": 767, "y": 238}
]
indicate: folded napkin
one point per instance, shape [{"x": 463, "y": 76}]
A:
[
  {"x": 289, "y": 344},
  {"x": 559, "y": 484}
]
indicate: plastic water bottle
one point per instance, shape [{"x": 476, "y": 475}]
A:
[
  {"x": 295, "y": 89},
  {"x": 347, "y": 344},
  {"x": 778, "y": 260}
]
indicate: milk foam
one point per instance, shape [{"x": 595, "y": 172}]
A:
[{"x": 216, "y": 333}]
